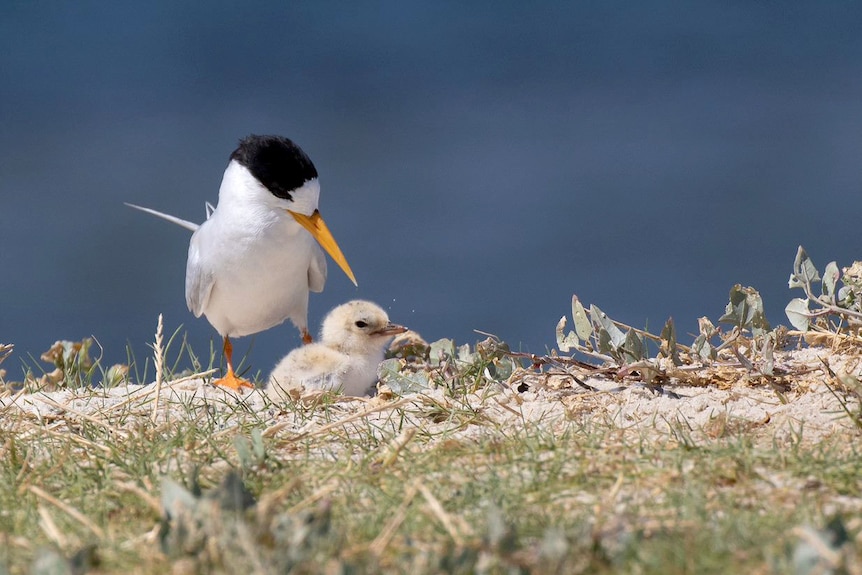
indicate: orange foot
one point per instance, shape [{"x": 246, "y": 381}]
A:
[
  {"x": 231, "y": 381},
  {"x": 306, "y": 337}
]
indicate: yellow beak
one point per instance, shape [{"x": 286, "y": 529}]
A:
[{"x": 320, "y": 232}]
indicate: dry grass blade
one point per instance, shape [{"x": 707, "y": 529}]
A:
[
  {"x": 378, "y": 546},
  {"x": 5, "y": 350},
  {"x": 269, "y": 502},
  {"x": 144, "y": 393},
  {"x": 146, "y": 497},
  {"x": 83, "y": 416},
  {"x": 64, "y": 437},
  {"x": 342, "y": 422},
  {"x": 321, "y": 493},
  {"x": 46, "y": 522},
  {"x": 446, "y": 520},
  {"x": 838, "y": 384},
  {"x": 158, "y": 360},
  {"x": 68, "y": 510},
  {"x": 389, "y": 453},
  {"x": 9, "y": 541}
]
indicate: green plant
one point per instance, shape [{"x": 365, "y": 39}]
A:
[
  {"x": 839, "y": 298},
  {"x": 598, "y": 336}
]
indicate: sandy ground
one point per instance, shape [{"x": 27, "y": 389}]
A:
[{"x": 804, "y": 403}]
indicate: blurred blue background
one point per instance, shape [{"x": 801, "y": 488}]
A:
[{"x": 480, "y": 162}]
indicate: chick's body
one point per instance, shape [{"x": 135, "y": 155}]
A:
[{"x": 352, "y": 344}]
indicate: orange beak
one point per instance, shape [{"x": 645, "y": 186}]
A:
[{"x": 320, "y": 232}]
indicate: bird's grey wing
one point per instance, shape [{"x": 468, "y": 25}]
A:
[
  {"x": 173, "y": 219},
  {"x": 199, "y": 280},
  {"x": 317, "y": 270},
  {"x": 323, "y": 380}
]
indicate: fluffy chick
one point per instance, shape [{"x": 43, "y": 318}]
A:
[{"x": 351, "y": 346}]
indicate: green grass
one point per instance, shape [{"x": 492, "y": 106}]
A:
[
  {"x": 468, "y": 477},
  {"x": 463, "y": 479},
  {"x": 421, "y": 485}
]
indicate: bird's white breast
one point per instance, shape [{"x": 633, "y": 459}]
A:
[{"x": 254, "y": 256}]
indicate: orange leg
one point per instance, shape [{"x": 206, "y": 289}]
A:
[
  {"x": 230, "y": 380},
  {"x": 306, "y": 337}
]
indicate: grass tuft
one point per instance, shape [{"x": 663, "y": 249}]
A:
[{"x": 468, "y": 460}]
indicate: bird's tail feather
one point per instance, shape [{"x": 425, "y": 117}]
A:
[{"x": 173, "y": 219}]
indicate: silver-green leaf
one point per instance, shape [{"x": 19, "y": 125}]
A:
[
  {"x": 798, "y": 313},
  {"x": 402, "y": 383},
  {"x": 583, "y": 327},
  {"x": 830, "y": 279},
  {"x": 804, "y": 268},
  {"x": 565, "y": 341},
  {"x": 440, "y": 350},
  {"x": 600, "y": 318}
]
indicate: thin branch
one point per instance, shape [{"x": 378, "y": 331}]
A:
[
  {"x": 647, "y": 334},
  {"x": 828, "y": 307}
]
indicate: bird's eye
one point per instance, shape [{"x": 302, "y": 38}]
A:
[{"x": 361, "y": 324}]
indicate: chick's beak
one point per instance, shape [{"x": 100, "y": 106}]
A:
[
  {"x": 320, "y": 232},
  {"x": 390, "y": 329}
]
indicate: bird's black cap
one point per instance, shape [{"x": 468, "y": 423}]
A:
[{"x": 277, "y": 163}]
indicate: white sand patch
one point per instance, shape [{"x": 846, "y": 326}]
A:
[{"x": 748, "y": 405}]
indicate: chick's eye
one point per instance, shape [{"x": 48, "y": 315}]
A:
[{"x": 361, "y": 324}]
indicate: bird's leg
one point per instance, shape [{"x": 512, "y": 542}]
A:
[
  {"x": 230, "y": 380},
  {"x": 306, "y": 337}
]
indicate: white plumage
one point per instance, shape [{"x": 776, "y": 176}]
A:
[{"x": 252, "y": 263}]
